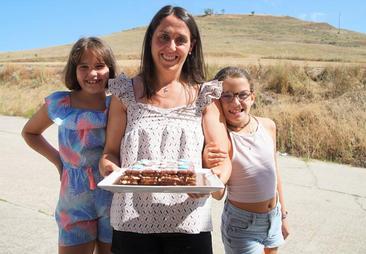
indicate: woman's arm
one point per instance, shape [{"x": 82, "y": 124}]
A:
[
  {"x": 116, "y": 126},
  {"x": 214, "y": 129},
  {"x": 32, "y": 134}
]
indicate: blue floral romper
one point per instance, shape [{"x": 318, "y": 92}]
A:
[{"x": 82, "y": 212}]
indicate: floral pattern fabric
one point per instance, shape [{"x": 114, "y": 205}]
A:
[{"x": 81, "y": 138}]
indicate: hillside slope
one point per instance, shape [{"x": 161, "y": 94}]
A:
[{"x": 239, "y": 37}]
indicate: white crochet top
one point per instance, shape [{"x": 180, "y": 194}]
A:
[{"x": 161, "y": 134}]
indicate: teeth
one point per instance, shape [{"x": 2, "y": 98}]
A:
[
  {"x": 169, "y": 58},
  {"x": 236, "y": 111}
]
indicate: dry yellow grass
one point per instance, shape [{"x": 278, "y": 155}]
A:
[
  {"x": 23, "y": 89},
  {"x": 320, "y": 112},
  {"x": 310, "y": 79}
]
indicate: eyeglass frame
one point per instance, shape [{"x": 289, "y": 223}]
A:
[{"x": 236, "y": 95}]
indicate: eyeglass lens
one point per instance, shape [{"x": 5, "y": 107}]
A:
[{"x": 229, "y": 96}]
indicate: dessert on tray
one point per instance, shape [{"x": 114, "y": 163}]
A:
[
  {"x": 149, "y": 172},
  {"x": 162, "y": 177}
]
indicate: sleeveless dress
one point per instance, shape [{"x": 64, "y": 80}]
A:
[
  {"x": 81, "y": 139},
  {"x": 161, "y": 134}
]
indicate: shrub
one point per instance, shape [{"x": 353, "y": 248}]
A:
[
  {"x": 208, "y": 11},
  {"x": 320, "y": 116}
]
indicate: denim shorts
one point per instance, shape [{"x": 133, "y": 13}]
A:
[{"x": 249, "y": 233}]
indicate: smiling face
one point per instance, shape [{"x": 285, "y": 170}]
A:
[
  {"x": 92, "y": 73},
  {"x": 236, "y": 108},
  {"x": 171, "y": 43}
]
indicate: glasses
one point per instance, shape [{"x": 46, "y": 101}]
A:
[{"x": 229, "y": 96}]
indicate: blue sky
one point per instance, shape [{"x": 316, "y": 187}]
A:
[{"x": 28, "y": 24}]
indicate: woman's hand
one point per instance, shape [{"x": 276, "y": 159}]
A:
[
  {"x": 198, "y": 195},
  {"x": 215, "y": 155},
  {"x": 106, "y": 166},
  {"x": 105, "y": 171}
]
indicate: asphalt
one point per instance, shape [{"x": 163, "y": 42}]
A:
[{"x": 326, "y": 201}]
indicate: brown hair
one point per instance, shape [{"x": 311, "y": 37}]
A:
[
  {"x": 193, "y": 71},
  {"x": 100, "y": 49},
  {"x": 234, "y": 72}
]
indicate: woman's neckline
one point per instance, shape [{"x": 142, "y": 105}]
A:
[{"x": 156, "y": 107}]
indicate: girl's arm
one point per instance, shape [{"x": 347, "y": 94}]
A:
[
  {"x": 285, "y": 229},
  {"x": 271, "y": 126},
  {"x": 116, "y": 126},
  {"x": 32, "y": 134},
  {"x": 214, "y": 129}
]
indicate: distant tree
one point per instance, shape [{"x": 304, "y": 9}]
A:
[
  {"x": 252, "y": 13},
  {"x": 222, "y": 11},
  {"x": 208, "y": 11}
]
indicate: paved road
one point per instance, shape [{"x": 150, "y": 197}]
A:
[{"x": 326, "y": 201}]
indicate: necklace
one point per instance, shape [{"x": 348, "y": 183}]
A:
[
  {"x": 249, "y": 138},
  {"x": 234, "y": 128}
]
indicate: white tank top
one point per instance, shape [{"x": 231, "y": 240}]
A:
[{"x": 253, "y": 177}]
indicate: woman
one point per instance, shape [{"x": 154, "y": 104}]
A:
[{"x": 164, "y": 113}]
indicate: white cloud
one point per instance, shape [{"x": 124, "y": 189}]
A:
[
  {"x": 314, "y": 16},
  {"x": 317, "y": 16},
  {"x": 302, "y": 16}
]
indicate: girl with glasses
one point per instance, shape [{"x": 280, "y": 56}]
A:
[{"x": 254, "y": 216}]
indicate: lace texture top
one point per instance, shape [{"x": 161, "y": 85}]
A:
[{"x": 162, "y": 134}]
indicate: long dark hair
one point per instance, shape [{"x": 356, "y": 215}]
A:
[
  {"x": 99, "y": 47},
  {"x": 193, "y": 71}
]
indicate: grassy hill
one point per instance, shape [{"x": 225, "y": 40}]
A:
[
  {"x": 239, "y": 38},
  {"x": 310, "y": 78}
]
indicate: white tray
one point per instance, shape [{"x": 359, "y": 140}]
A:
[{"x": 206, "y": 182}]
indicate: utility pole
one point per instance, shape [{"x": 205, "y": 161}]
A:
[{"x": 339, "y": 23}]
